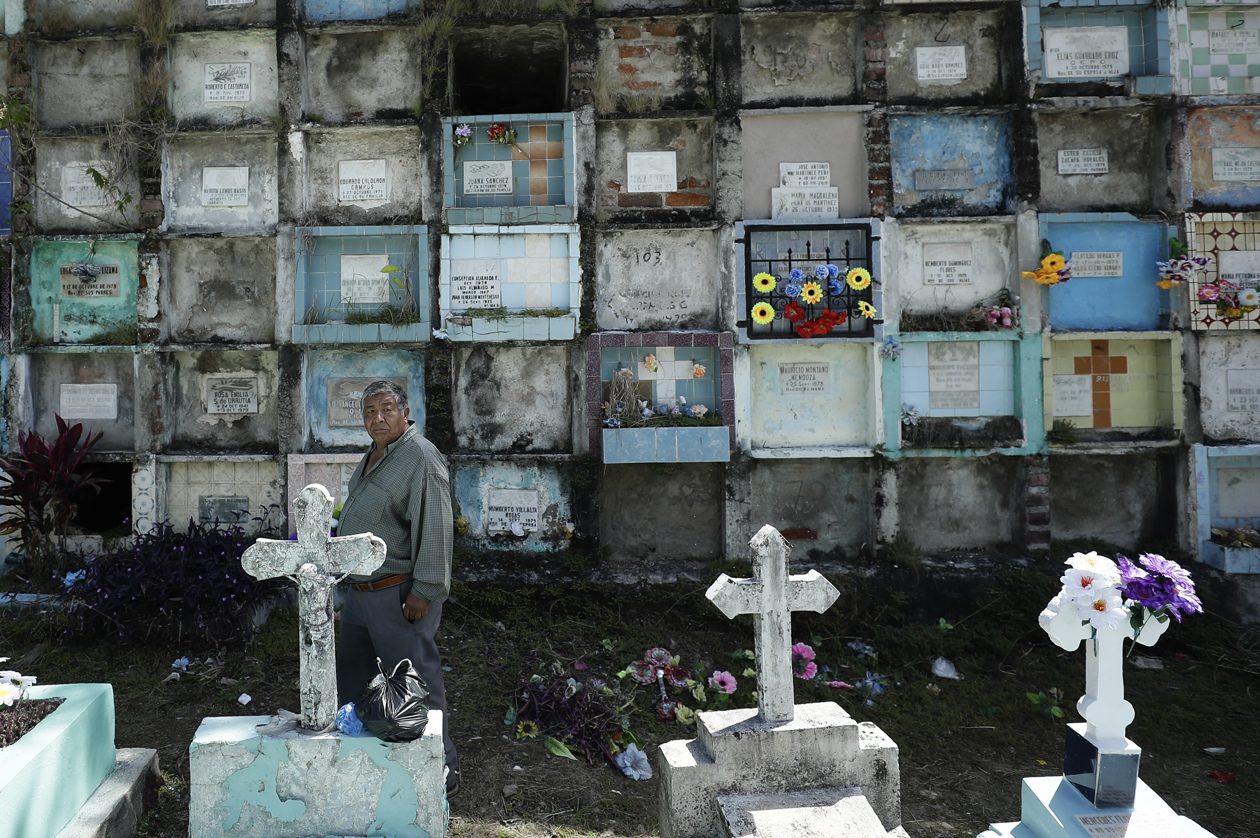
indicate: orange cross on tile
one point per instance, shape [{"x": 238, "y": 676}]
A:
[{"x": 1100, "y": 366}]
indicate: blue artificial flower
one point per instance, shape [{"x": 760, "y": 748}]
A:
[
  {"x": 792, "y": 289},
  {"x": 612, "y": 422},
  {"x": 634, "y": 763},
  {"x": 833, "y": 271},
  {"x": 796, "y": 275},
  {"x": 181, "y": 664},
  {"x": 835, "y": 286},
  {"x": 821, "y": 272}
]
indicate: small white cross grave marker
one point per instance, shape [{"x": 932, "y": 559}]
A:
[
  {"x": 317, "y": 562},
  {"x": 771, "y": 597}
]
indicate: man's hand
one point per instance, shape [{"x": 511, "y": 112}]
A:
[{"x": 415, "y": 608}]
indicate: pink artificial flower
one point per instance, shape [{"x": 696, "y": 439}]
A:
[
  {"x": 722, "y": 682},
  {"x": 1006, "y": 317},
  {"x": 802, "y": 651},
  {"x": 676, "y": 677},
  {"x": 803, "y": 665},
  {"x": 839, "y": 685},
  {"x": 806, "y": 672},
  {"x": 642, "y": 672},
  {"x": 579, "y": 664},
  {"x": 1211, "y": 293}
]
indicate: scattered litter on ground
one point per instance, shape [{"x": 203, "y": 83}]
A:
[
  {"x": 244, "y": 698},
  {"x": 174, "y": 676},
  {"x": 1214, "y": 751},
  {"x": 1144, "y": 662},
  {"x": 942, "y": 668}
]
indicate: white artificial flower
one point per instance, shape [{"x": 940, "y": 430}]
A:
[
  {"x": 9, "y": 694},
  {"x": 1101, "y": 565},
  {"x": 1086, "y": 586},
  {"x": 1105, "y": 612},
  {"x": 1249, "y": 297}
]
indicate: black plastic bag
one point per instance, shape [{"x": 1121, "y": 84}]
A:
[{"x": 395, "y": 707}]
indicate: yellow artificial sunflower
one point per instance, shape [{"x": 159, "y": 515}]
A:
[
  {"x": 763, "y": 313},
  {"x": 858, "y": 279},
  {"x": 866, "y": 309},
  {"x": 526, "y": 730},
  {"x": 764, "y": 282},
  {"x": 811, "y": 292},
  {"x": 1042, "y": 276},
  {"x": 1165, "y": 284},
  {"x": 1053, "y": 262}
]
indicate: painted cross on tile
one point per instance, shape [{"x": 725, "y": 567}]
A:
[{"x": 1100, "y": 365}]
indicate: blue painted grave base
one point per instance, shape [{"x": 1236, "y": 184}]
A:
[
  {"x": 1049, "y": 806},
  {"x": 667, "y": 445}
]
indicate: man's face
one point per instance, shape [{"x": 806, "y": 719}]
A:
[{"x": 383, "y": 420}]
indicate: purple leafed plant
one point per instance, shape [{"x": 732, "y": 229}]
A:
[{"x": 584, "y": 720}]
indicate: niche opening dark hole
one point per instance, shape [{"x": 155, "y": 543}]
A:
[
  {"x": 110, "y": 511},
  {"x": 510, "y": 69}
]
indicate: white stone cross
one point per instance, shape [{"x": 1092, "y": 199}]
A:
[
  {"x": 317, "y": 562},
  {"x": 771, "y": 597},
  {"x": 1103, "y": 706}
]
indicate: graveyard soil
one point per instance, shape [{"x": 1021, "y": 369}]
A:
[{"x": 965, "y": 744}]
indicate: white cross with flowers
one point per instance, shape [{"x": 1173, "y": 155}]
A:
[{"x": 771, "y": 597}]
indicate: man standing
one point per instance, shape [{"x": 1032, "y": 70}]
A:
[{"x": 400, "y": 492}]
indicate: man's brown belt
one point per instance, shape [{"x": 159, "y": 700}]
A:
[{"x": 381, "y": 584}]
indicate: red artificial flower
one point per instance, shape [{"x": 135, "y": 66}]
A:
[
  {"x": 794, "y": 312},
  {"x": 1180, "y": 657},
  {"x": 1220, "y": 776}
]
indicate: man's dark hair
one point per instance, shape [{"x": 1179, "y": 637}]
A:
[{"x": 376, "y": 388}]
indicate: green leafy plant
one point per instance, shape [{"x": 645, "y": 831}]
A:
[
  {"x": 1063, "y": 432},
  {"x": 1047, "y": 705}
]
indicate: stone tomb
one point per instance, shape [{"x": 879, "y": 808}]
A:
[
  {"x": 1229, "y": 385},
  {"x": 216, "y": 183},
  {"x": 949, "y": 267},
  {"x": 207, "y": 14},
  {"x": 222, "y": 401},
  {"x": 361, "y": 73},
  {"x": 677, "y": 525},
  {"x": 514, "y": 398},
  {"x": 362, "y": 175},
  {"x": 1227, "y": 495},
  {"x": 830, "y": 390},
  {"x": 95, "y": 388},
  {"x": 1224, "y": 147},
  {"x": 946, "y": 491},
  {"x": 334, "y": 381},
  {"x": 332, "y": 471},
  {"x": 100, "y": 71},
  {"x": 951, "y": 164},
  {"x": 807, "y": 770},
  {"x": 83, "y": 291},
  {"x": 1101, "y": 160},
  {"x": 797, "y": 59},
  {"x": 664, "y": 61},
  {"x": 70, "y": 15},
  {"x": 219, "y": 289},
  {"x": 1135, "y": 494},
  {"x": 1116, "y": 383},
  {"x": 630, "y": 185},
  {"x": 804, "y": 165},
  {"x": 62, "y": 170},
  {"x": 628, "y": 294},
  {"x": 220, "y": 78},
  {"x": 823, "y": 503},
  {"x": 935, "y": 57},
  {"x": 494, "y": 495},
  {"x": 227, "y": 490}
]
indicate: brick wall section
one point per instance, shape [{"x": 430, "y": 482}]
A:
[
  {"x": 874, "y": 86},
  {"x": 1037, "y": 502},
  {"x": 666, "y": 60}
]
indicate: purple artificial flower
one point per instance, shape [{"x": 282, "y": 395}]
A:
[{"x": 1160, "y": 585}]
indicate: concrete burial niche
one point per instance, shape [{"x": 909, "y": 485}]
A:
[
  {"x": 1224, "y": 146},
  {"x": 959, "y": 55},
  {"x": 949, "y": 267},
  {"x": 958, "y": 378},
  {"x": 1126, "y": 45},
  {"x": 1233, "y": 242},
  {"x": 220, "y": 290},
  {"x": 811, "y": 396},
  {"x": 360, "y": 73},
  {"x": 951, "y": 164},
  {"x": 95, "y": 388},
  {"x": 363, "y": 175},
  {"x": 945, "y": 493},
  {"x": 220, "y": 78},
  {"x": 515, "y": 399},
  {"x": 1131, "y": 499},
  {"x": 222, "y": 401},
  {"x": 1221, "y": 56},
  {"x": 220, "y": 183},
  {"x": 628, "y": 291},
  {"x": 646, "y": 64},
  {"x": 332, "y": 471},
  {"x": 84, "y": 292},
  {"x": 510, "y": 69},
  {"x": 672, "y": 516},
  {"x": 494, "y": 495},
  {"x": 68, "y": 15},
  {"x": 98, "y": 73},
  {"x": 73, "y": 201},
  {"x": 195, "y": 14},
  {"x": 1101, "y": 159},
  {"x": 229, "y": 490},
  {"x": 1227, "y": 494},
  {"x": 334, "y": 382},
  {"x": 799, "y": 59},
  {"x": 820, "y": 504},
  {"x": 654, "y": 169},
  {"x": 1229, "y": 386},
  {"x": 806, "y": 152},
  {"x": 1113, "y": 272},
  {"x": 330, "y": 10}
]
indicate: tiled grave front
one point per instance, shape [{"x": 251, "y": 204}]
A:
[
  {"x": 493, "y": 496},
  {"x": 511, "y": 283},
  {"x": 102, "y": 71},
  {"x": 1225, "y": 296},
  {"x": 652, "y": 168},
  {"x": 1100, "y": 159},
  {"x": 688, "y": 371},
  {"x": 951, "y": 164},
  {"x": 222, "y": 401},
  {"x": 517, "y": 399},
  {"x": 782, "y": 294},
  {"x": 657, "y": 279},
  {"x": 1229, "y": 385},
  {"x": 334, "y": 381},
  {"x": 1220, "y": 51},
  {"x": 959, "y": 378},
  {"x": 653, "y": 63},
  {"x": 347, "y": 291},
  {"x": 1113, "y": 380},
  {"x": 95, "y": 388},
  {"x": 362, "y": 73},
  {"x": 220, "y": 290},
  {"x": 1132, "y": 499},
  {"x": 1114, "y": 272},
  {"x": 946, "y": 56},
  {"x": 332, "y": 10},
  {"x": 493, "y": 182},
  {"x": 227, "y": 490},
  {"x": 332, "y": 471},
  {"x": 804, "y": 165},
  {"x": 811, "y": 400},
  {"x": 1100, "y": 41},
  {"x": 823, "y": 503},
  {"x": 1227, "y": 491},
  {"x": 68, "y": 198},
  {"x": 216, "y": 183},
  {"x": 84, "y": 292},
  {"x": 670, "y": 520},
  {"x": 357, "y": 176},
  {"x": 950, "y": 267},
  {"x": 1224, "y": 146},
  {"x": 798, "y": 59},
  {"x": 218, "y": 78}
]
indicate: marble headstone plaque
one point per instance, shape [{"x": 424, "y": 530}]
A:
[
  {"x": 224, "y": 510},
  {"x": 225, "y": 186},
  {"x": 231, "y": 394},
  {"x": 1231, "y": 41},
  {"x": 219, "y": 4},
  {"x": 1083, "y": 161},
  {"x": 362, "y": 281},
  {"x": 101, "y": 282},
  {"x": 651, "y": 171},
  {"x": 805, "y": 174},
  {"x": 88, "y": 401},
  {"x": 227, "y": 82},
  {"x": 509, "y": 506},
  {"x": 1073, "y": 395},
  {"x": 947, "y": 264},
  {"x": 1098, "y": 263},
  {"x": 1236, "y": 164},
  {"x": 1086, "y": 52},
  {"x": 1238, "y": 492},
  {"x": 802, "y": 202},
  {"x": 927, "y": 180},
  {"x": 1126, "y": 825},
  {"x": 940, "y": 63},
  {"x": 804, "y": 379},
  {"x": 1241, "y": 267},
  {"x": 1242, "y": 389},
  {"x": 475, "y": 284},
  {"x": 79, "y": 189},
  {"x": 345, "y": 400},
  {"x": 488, "y": 177},
  {"x": 362, "y": 180},
  {"x": 954, "y": 376}
]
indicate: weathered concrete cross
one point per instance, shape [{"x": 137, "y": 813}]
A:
[
  {"x": 317, "y": 562},
  {"x": 771, "y": 597}
]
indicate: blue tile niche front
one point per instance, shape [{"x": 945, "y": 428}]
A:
[
  {"x": 362, "y": 285},
  {"x": 492, "y": 495},
  {"x": 334, "y": 382},
  {"x": 332, "y": 10}
]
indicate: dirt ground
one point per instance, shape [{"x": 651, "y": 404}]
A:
[{"x": 964, "y": 744}]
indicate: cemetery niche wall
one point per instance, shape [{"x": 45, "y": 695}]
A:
[
  {"x": 1227, "y": 500},
  {"x": 82, "y": 292},
  {"x": 1104, "y": 159},
  {"x": 1224, "y": 157},
  {"x": 512, "y": 505},
  {"x": 1219, "y": 51},
  {"x": 804, "y": 165},
  {"x": 361, "y": 176},
  {"x": 334, "y": 380},
  {"x": 951, "y": 164},
  {"x": 1099, "y": 47}
]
